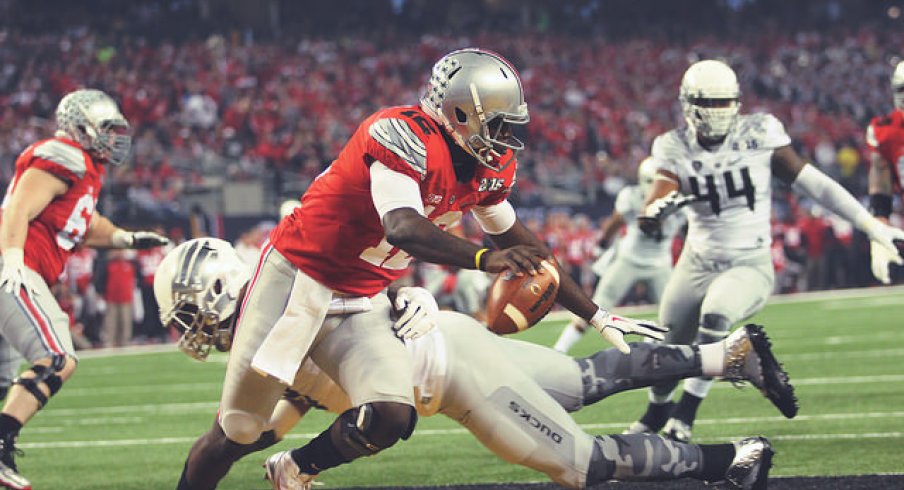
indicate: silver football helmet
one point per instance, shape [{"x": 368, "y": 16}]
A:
[
  {"x": 476, "y": 96},
  {"x": 710, "y": 98},
  {"x": 93, "y": 120},
  {"x": 897, "y": 86},
  {"x": 646, "y": 174},
  {"x": 197, "y": 286}
]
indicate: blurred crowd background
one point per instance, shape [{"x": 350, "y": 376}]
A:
[{"x": 237, "y": 105}]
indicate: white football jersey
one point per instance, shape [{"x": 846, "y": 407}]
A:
[
  {"x": 635, "y": 246},
  {"x": 732, "y": 184}
]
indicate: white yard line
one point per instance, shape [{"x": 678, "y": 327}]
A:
[{"x": 458, "y": 431}]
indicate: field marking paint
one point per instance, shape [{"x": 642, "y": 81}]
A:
[
  {"x": 215, "y": 386},
  {"x": 459, "y": 431}
]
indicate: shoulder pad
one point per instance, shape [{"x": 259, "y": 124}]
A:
[
  {"x": 397, "y": 136},
  {"x": 670, "y": 145},
  {"x": 66, "y": 156}
]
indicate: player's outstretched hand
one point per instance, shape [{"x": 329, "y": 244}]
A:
[
  {"x": 137, "y": 239},
  {"x": 613, "y": 328},
  {"x": 518, "y": 259},
  {"x": 883, "y": 250},
  {"x": 419, "y": 311}
]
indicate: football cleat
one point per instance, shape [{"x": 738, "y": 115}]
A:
[
  {"x": 749, "y": 357},
  {"x": 283, "y": 473},
  {"x": 677, "y": 430},
  {"x": 749, "y": 470},
  {"x": 652, "y": 420},
  {"x": 9, "y": 473}
]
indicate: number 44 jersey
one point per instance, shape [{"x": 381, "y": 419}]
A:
[
  {"x": 336, "y": 236},
  {"x": 62, "y": 225},
  {"x": 732, "y": 184}
]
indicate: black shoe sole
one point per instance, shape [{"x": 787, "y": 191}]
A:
[
  {"x": 776, "y": 384},
  {"x": 762, "y": 475}
]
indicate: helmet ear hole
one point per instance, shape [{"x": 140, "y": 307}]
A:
[
  {"x": 461, "y": 116},
  {"x": 217, "y": 287}
]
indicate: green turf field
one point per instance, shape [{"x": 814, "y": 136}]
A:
[{"x": 127, "y": 421}]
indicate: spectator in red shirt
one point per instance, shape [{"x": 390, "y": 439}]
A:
[{"x": 119, "y": 285}]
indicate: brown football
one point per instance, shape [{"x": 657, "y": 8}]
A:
[{"x": 516, "y": 303}]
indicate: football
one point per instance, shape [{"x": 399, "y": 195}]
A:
[{"x": 515, "y": 303}]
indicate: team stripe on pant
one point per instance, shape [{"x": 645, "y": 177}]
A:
[
  {"x": 39, "y": 322},
  {"x": 265, "y": 252}
]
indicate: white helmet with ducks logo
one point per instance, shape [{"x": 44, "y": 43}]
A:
[
  {"x": 197, "y": 286},
  {"x": 897, "y": 86},
  {"x": 476, "y": 96},
  {"x": 710, "y": 98},
  {"x": 93, "y": 120}
]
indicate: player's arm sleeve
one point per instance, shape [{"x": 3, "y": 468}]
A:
[
  {"x": 665, "y": 157},
  {"x": 496, "y": 218},
  {"x": 822, "y": 189},
  {"x": 393, "y": 190},
  {"x": 397, "y": 146}
]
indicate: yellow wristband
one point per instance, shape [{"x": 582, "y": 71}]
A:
[{"x": 477, "y": 257}]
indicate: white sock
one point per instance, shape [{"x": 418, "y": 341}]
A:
[
  {"x": 712, "y": 358},
  {"x": 570, "y": 336},
  {"x": 698, "y": 387},
  {"x": 660, "y": 399}
]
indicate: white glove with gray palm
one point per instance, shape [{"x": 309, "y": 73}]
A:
[
  {"x": 613, "y": 328},
  {"x": 883, "y": 251},
  {"x": 419, "y": 311}
]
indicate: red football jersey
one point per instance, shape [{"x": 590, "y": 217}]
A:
[
  {"x": 62, "y": 225},
  {"x": 885, "y": 136},
  {"x": 336, "y": 235}
]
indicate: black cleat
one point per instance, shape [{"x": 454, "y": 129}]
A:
[{"x": 749, "y": 357}]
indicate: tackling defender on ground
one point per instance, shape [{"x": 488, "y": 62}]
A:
[{"x": 512, "y": 395}]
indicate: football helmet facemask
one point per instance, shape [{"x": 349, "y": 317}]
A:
[
  {"x": 710, "y": 98},
  {"x": 197, "y": 286},
  {"x": 897, "y": 86},
  {"x": 93, "y": 120},
  {"x": 646, "y": 174},
  {"x": 477, "y": 96}
]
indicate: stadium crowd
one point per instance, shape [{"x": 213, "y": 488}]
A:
[{"x": 228, "y": 106}]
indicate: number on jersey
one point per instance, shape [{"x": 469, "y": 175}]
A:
[
  {"x": 711, "y": 194},
  {"x": 389, "y": 257},
  {"x": 77, "y": 224}
]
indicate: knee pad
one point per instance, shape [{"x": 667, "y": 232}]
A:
[
  {"x": 46, "y": 375},
  {"x": 372, "y": 427},
  {"x": 713, "y": 328},
  {"x": 242, "y": 427}
]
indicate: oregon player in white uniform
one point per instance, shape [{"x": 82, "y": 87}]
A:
[
  {"x": 512, "y": 395},
  {"x": 720, "y": 166},
  {"x": 634, "y": 258}
]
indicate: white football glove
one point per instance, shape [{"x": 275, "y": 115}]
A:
[
  {"x": 12, "y": 276},
  {"x": 613, "y": 328},
  {"x": 883, "y": 251},
  {"x": 650, "y": 220},
  {"x": 137, "y": 239},
  {"x": 419, "y": 311}
]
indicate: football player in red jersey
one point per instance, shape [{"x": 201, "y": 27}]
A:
[
  {"x": 885, "y": 139},
  {"x": 49, "y": 210},
  {"x": 405, "y": 175}
]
